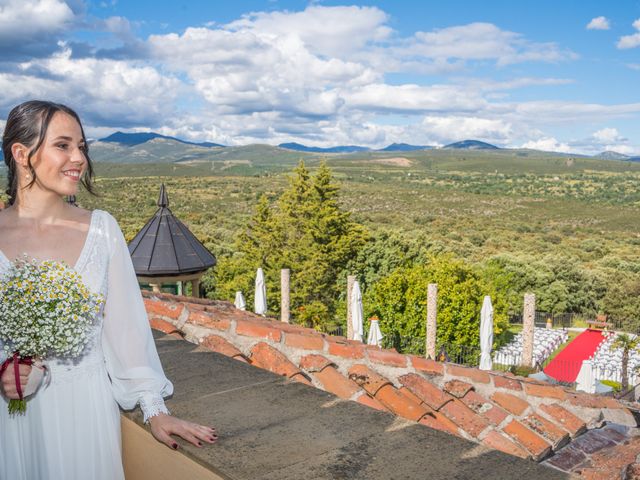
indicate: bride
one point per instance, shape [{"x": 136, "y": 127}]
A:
[{"x": 71, "y": 429}]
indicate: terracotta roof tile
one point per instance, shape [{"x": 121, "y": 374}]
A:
[
  {"x": 304, "y": 341},
  {"x": 163, "y": 325},
  {"x": 343, "y": 348},
  {"x": 593, "y": 401},
  {"x": 409, "y": 394},
  {"x": 208, "y": 320},
  {"x": 367, "y": 379},
  {"x": 547, "y": 391},
  {"x": 426, "y": 365},
  {"x": 484, "y": 407},
  {"x": 438, "y": 421},
  {"x": 267, "y": 357},
  {"x": 471, "y": 373},
  {"x": 565, "y": 418},
  {"x": 252, "y": 328},
  {"x": 220, "y": 345},
  {"x": 293, "y": 328},
  {"x": 457, "y": 388},
  {"x": 314, "y": 363},
  {"x": 537, "y": 446},
  {"x": 554, "y": 434},
  {"x": 300, "y": 377},
  {"x": 464, "y": 417},
  {"x": 400, "y": 404},
  {"x": 332, "y": 381},
  {"x": 387, "y": 357},
  {"x": 511, "y": 403},
  {"x": 365, "y": 399},
  {"x": 164, "y": 309},
  {"x": 425, "y": 390},
  {"x": 506, "y": 382},
  {"x": 500, "y": 442}
]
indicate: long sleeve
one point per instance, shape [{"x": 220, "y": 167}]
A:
[{"x": 130, "y": 353}]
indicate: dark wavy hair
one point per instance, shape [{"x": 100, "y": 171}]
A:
[{"x": 28, "y": 124}]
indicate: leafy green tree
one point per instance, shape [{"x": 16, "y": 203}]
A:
[
  {"x": 400, "y": 298},
  {"x": 622, "y": 300},
  {"x": 625, "y": 343}
]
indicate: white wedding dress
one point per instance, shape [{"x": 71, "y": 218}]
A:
[{"x": 71, "y": 430}]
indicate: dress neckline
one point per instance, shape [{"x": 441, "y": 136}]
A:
[{"x": 83, "y": 252}]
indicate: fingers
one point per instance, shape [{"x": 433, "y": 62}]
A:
[
  {"x": 204, "y": 434},
  {"x": 196, "y": 434},
  {"x": 164, "y": 426},
  {"x": 9, "y": 382},
  {"x": 164, "y": 437}
]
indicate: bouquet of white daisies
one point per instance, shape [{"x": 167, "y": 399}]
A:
[{"x": 45, "y": 310}]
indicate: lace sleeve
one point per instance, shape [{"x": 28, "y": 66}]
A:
[{"x": 130, "y": 352}]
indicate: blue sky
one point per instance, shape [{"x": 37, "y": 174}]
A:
[{"x": 558, "y": 75}]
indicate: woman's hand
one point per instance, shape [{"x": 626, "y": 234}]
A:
[
  {"x": 163, "y": 426},
  {"x": 8, "y": 381}
]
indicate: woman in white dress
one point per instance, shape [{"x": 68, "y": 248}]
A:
[{"x": 71, "y": 429}]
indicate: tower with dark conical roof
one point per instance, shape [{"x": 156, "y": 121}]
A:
[{"x": 165, "y": 250}]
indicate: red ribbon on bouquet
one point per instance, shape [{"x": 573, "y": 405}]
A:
[{"x": 16, "y": 360}]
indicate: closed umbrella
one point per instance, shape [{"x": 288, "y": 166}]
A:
[
  {"x": 375, "y": 335},
  {"x": 240, "y": 303},
  {"x": 357, "y": 317},
  {"x": 260, "y": 299},
  {"x": 486, "y": 334}
]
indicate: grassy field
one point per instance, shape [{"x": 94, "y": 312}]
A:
[{"x": 472, "y": 203}]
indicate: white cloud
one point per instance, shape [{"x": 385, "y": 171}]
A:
[
  {"x": 482, "y": 41},
  {"x": 630, "y": 41},
  {"x": 106, "y": 91},
  {"x": 599, "y": 23},
  {"x": 413, "y": 98},
  {"x": 31, "y": 28},
  {"x": 334, "y": 31},
  {"x": 548, "y": 144},
  {"x": 608, "y": 135},
  {"x": 451, "y": 129},
  {"x": 23, "y": 18},
  {"x": 319, "y": 76}
]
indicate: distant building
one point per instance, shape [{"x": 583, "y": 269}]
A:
[{"x": 165, "y": 251}]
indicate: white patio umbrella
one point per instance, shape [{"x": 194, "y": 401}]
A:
[
  {"x": 260, "y": 299},
  {"x": 486, "y": 334},
  {"x": 357, "y": 317},
  {"x": 240, "y": 303},
  {"x": 375, "y": 335}
]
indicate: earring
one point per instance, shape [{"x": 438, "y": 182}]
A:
[{"x": 27, "y": 176}]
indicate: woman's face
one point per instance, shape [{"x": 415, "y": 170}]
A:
[{"x": 60, "y": 162}]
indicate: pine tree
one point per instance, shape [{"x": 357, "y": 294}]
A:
[{"x": 306, "y": 231}]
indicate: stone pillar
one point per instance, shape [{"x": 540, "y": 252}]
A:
[
  {"x": 432, "y": 313},
  {"x": 195, "y": 288},
  {"x": 528, "y": 324},
  {"x": 350, "y": 281},
  {"x": 285, "y": 275}
]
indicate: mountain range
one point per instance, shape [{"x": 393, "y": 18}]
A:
[
  {"x": 151, "y": 147},
  {"x": 132, "y": 139}
]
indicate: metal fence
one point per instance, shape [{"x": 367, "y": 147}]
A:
[
  {"x": 460, "y": 354},
  {"x": 572, "y": 319},
  {"x": 558, "y": 320}
]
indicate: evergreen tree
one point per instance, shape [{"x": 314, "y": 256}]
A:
[{"x": 306, "y": 231}]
